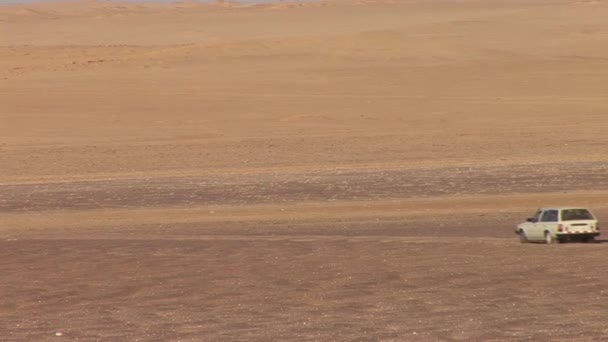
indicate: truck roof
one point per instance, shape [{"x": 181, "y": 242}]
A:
[{"x": 562, "y": 208}]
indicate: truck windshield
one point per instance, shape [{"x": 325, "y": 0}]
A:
[{"x": 576, "y": 214}]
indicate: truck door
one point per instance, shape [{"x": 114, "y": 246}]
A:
[
  {"x": 535, "y": 230},
  {"x": 548, "y": 222}
]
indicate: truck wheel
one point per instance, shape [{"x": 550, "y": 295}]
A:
[
  {"x": 549, "y": 238},
  {"x": 522, "y": 237}
]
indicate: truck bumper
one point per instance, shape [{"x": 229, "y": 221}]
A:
[{"x": 576, "y": 236}]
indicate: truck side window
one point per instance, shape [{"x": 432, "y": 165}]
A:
[{"x": 550, "y": 216}]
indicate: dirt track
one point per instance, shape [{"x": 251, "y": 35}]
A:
[
  {"x": 460, "y": 276},
  {"x": 365, "y": 283}
]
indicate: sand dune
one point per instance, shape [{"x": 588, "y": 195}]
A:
[{"x": 332, "y": 170}]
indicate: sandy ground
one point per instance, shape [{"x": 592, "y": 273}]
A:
[{"x": 345, "y": 170}]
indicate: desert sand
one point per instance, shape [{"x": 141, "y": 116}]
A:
[{"x": 335, "y": 170}]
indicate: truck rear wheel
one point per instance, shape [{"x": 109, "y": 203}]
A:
[{"x": 549, "y": 239}]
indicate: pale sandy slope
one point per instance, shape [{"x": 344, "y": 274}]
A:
[{"x": 112, "y": 90}]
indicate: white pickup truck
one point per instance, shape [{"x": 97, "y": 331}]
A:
[{"x": 553, "y": 225}]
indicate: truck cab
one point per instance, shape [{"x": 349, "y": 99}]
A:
[{"x": 551, "y": 225}]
